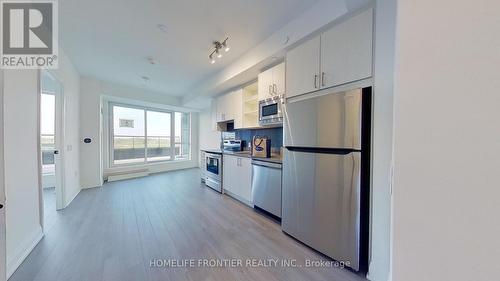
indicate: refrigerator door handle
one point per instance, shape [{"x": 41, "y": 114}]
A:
[{"x": 322, "y": 150}]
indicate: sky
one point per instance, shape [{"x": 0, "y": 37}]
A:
[
  {"x": 158, "y": 122},
  {"x": 48, "y": 114}
]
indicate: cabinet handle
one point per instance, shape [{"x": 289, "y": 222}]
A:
[
  {"x": 270, "y": 90},
  {"x": 275, "y": 89},
  {"x": 315, "y": 81},
  {"x": 322, "y": 79}
]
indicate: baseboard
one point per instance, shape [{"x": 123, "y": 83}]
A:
[
  {"x": 127, "y": 176},
  {"x": 375, "y": 274},
  {"x": 239, "y": 198},
  {"x": 22, "y": 252}
]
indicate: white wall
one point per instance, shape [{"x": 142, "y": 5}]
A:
[
  {"x": 22, "y": 182},
  {"x": 208, "y": 138},
  {"x": 324, "y": 12},
  {"x": 446, "y": 195},
  {"x": 20, "y": 106},
  {"x": 90, "y": 153},
  {"x": 93, "y": 94},
  {"x": 70, "y": 79},
  {"x": 385, "y": 24},
  {"x": 3, "y": 262}
]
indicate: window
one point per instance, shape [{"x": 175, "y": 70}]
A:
[
  {"x": 159, "y": 133},
  {"x": 47, "y": 139},
  {"x": 143, "y": 135}
]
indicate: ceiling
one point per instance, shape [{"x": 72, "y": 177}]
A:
[{"x": 112, "y": 39}]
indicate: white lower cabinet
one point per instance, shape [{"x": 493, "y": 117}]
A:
[{"x": 237, "y": 178}]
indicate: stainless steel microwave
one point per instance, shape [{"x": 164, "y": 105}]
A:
[{"x": 270, "y": 111}]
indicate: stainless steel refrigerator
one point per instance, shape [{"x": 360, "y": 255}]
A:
[{"x": 326, "y": 174}]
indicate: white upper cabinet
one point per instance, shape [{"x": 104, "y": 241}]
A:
[
  {"x": 279, "y": 79},
  {"x": 236, "y": 108},
  {"x": 213, "y": 113},
  {"x": 302, "y": 68},
  {"x": 346, "y": 51},
  {"x": 221, "y": 107},
  {"x": 340, "y": 55},
  {"x": 229, "y": 107},
  {"x": 264, "y": 81},
  {"x": 272, "y": 82}
]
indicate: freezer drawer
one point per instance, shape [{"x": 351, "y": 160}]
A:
[
  {"x": 266, "y": 186},
  {"x": 332, "y": 120},
  {"x": 321, "y": 202}
]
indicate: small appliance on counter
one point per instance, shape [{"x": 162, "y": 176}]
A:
[
  {"x": 270, "y": 111},
  {"x": 261, "y": 147},
  {"x": 232, "y": 145}
]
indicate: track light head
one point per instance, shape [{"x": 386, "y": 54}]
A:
[
  {"x": 218, "y": 46},
  {"x": 224, "y": 44}
]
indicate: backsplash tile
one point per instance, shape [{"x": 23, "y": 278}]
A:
[{"x": 275, "y": 134}]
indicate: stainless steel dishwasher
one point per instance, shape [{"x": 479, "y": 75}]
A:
[{"x": 266, "y": 186}]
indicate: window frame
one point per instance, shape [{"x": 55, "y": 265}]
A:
[{"x": 145, "y": 109}]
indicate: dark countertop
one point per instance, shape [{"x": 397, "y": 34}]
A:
[
  {"x": 215, "y": 150},
  {"x": 275, "y": 158}
]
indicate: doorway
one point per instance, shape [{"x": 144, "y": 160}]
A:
[{"x": 50, "y": 147}]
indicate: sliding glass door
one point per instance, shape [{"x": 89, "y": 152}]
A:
[
  {"x": 159, "y": 139},
  {"x": 129, "y": 135},
  {"x": 142, "y": 135}
]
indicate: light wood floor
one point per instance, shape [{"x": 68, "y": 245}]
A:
[
  {"x": 49, "y": 207},
  {"x": 112, "y": 233}
]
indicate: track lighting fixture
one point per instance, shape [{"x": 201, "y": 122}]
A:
[{"x": 218, "y": 46}]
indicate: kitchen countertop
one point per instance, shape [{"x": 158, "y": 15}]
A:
[{"x": 275, "y": 158}]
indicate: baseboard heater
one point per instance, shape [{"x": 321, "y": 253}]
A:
[{"x": 117, "y": 176}]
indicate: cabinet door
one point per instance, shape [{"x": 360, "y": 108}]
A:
[
  {"x": 346, "y": 51},
  {"x": 220, "y": 107},
  {"x": 213, "y": 115},
  {"x": 265, "y": 84},
  {"x": 229, "y": 170},
  {"x": 237, "y": 108},
  {"x": 245, "y": 180},
  {"x": 279, "y": 79},
  {"x": 302, "y": 68}
]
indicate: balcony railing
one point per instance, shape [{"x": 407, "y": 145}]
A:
[
  {"x": 47, "y": 142},
  {"x": 132, "y": 149}
]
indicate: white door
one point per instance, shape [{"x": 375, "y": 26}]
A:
[
  {"x": 302, "y": 68},
  {"x": 2, "y": 189},
  {"x": 279, "y": 79},
  {"x": 51, "y": 146},
  {"x": 346, "y": 51}
]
